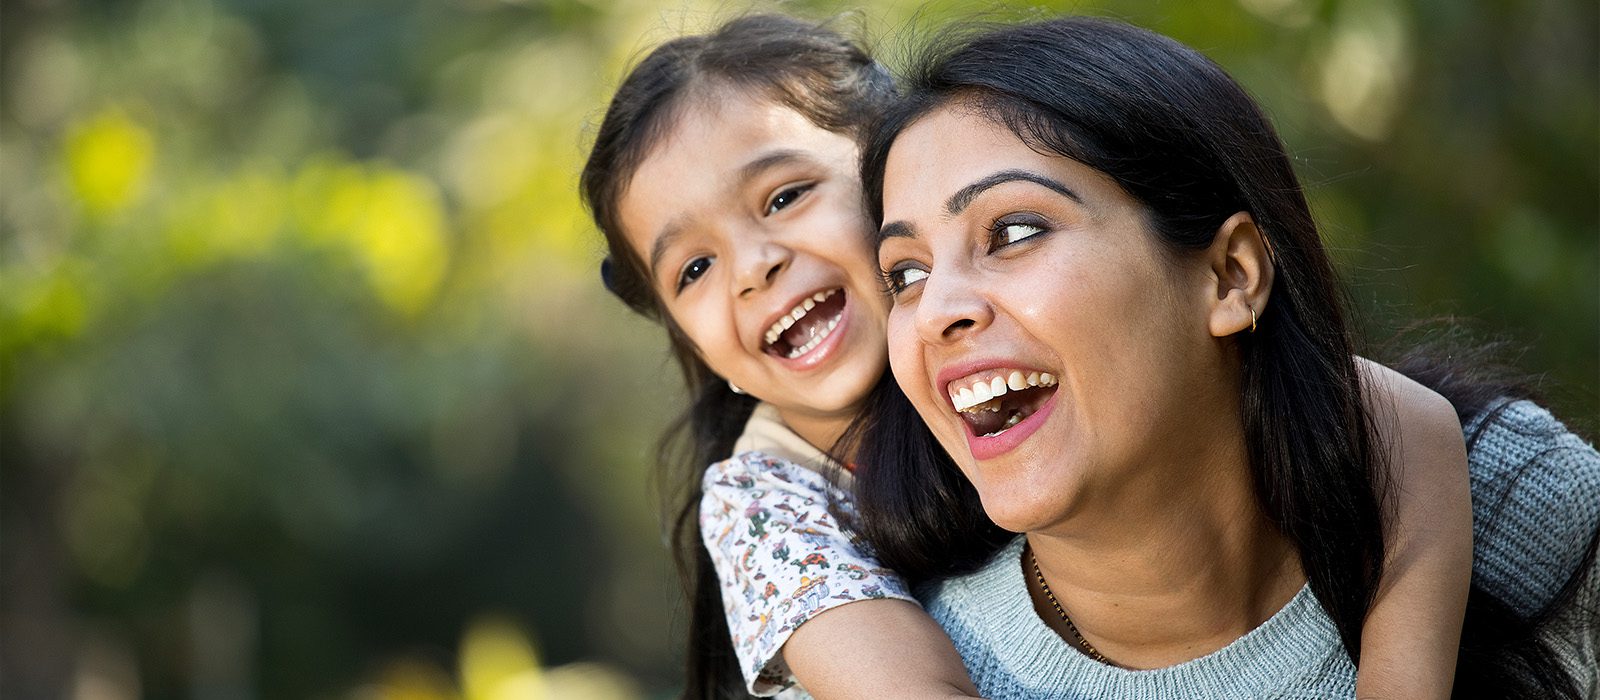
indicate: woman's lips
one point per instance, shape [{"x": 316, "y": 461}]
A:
[{"x": 991, "y": 446}]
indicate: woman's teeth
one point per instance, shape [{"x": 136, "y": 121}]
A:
[{"x": 973, "y": 395}]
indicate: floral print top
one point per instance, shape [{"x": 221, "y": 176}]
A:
[{"x": 782, "y": 557}]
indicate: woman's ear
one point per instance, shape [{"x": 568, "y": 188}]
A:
[{"x": 1241, "y": 268}]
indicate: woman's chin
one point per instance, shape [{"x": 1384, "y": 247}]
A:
[{"x": 1022, "y": 508}]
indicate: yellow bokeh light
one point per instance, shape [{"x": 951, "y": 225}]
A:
[
  {"x": 400, "y": 238},
  {"x": 108, "y": 159},
  {"x": 499, "y": 663}
]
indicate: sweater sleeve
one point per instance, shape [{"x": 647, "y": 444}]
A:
[
  {"x": 781, "y": 558},
  {"x": 1535, "y": 503}
]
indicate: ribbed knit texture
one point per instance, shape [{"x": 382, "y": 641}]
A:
[{"x": 1536, "y": 500}]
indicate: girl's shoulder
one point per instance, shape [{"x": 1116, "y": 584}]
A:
[{"x": 758, "y": 469}]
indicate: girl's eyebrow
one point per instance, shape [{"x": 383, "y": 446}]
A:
[
  {"x": 770, "y": 160},
  {"x": 673, "y": 231}
]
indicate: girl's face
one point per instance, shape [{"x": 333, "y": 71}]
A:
[
  {"x": 749, "y": 220},
  {"x": 1055, "y": 348}
]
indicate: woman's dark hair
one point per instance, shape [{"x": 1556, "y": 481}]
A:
[
  {"x": 806, "y": 67},
  {"x": 1180, "y": 136}
]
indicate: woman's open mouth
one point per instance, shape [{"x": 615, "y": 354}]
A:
[
  {"x": 995, "y": 400},
  {"x": 806, "y": 326}
]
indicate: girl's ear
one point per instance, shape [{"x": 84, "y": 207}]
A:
[{"x": 1241, "y": 268}]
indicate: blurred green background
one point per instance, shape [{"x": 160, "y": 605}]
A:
[{"x": 310, "y": 390}]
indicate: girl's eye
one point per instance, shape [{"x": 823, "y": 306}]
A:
[
  {"x": 786, "y": 197},
  {"x": 693, "y": 270},
  {"x": 1008, "y": 231},
  {"x": 898, "y": 279}
]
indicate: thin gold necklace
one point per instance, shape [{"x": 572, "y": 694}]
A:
[{"x": 1076, "y": 635}]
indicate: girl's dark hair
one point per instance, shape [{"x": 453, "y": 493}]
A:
[
  {"x": 1179, "y": 135},
  {"x": 806, "y": 67}
]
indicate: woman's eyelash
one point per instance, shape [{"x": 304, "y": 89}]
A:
[
  {"x": 895, "y": 280},
  {"x": 1007, "y": 230}
]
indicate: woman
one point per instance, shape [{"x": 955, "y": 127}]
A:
[{"x": 1200, "y": 488}]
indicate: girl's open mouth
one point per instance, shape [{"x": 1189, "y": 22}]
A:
[
  {"x": 806, "y": 326},
  {"x": 993, "y": 401}
]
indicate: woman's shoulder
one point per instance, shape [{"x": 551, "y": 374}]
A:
[{"x": 994, "y": 592}]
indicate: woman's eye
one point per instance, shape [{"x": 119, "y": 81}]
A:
[
  {"x": 786, "y": 197},
  {"x": 898, "y": 279},
  {"x": 1007, "y": 232},
  {"x": 693, "y": 271}
]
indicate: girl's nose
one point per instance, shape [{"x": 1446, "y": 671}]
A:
[{"x": 758, "y": 266}]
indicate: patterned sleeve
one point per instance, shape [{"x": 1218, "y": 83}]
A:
[{"x": 781, "y": 558}]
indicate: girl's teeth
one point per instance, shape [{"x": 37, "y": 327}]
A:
[
  {"x": 814, "y": 342},
  {"x": 788, "y": 320}
]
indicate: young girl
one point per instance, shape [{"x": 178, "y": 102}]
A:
[{"x": 724, "y": 177}]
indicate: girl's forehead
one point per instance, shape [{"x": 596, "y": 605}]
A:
[{"x": 717, "y": 151}]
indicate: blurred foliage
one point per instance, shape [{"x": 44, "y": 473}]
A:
[{"x": 309, "y": 390}]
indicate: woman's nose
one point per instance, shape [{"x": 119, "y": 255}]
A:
[
  {"x": 950, "y": 308},
  {"x": 758, "y": 265}
]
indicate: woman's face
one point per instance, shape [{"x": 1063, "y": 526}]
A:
[
  {"x": 749, "y": 219},
  {"x": 1055, "y": 348}
]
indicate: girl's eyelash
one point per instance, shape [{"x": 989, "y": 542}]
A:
[
  {"x": 797, "y": 190},
  {"x": 684, "y": 279}
]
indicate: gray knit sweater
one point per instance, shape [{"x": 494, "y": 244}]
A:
[{"x": 1536, "y": 502}]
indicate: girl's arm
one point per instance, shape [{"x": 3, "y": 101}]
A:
[
  {"x": 877, "y": 649},
  {"x": 805, "y": 604},
  {"x": 1412, "y": 634}
]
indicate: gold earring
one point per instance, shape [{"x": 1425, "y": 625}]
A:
[{"x": 1252, "y": 317}]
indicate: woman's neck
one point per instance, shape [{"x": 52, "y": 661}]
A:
[{"x": 1177, "y": 575}]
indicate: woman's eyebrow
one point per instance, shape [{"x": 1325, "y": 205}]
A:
[
  {"x": 895, "y": 229},
  {"x": 958, "y": 202},
  {"x": 963, "y": 197}
]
